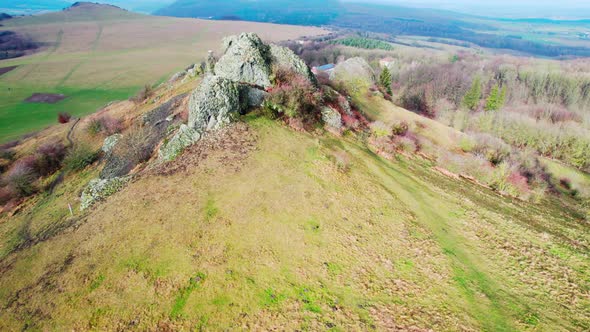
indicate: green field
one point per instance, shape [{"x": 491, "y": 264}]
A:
[{"x": 97, "y": 54}]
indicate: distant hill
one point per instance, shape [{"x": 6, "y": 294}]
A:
[
  {"x": 302, "y": 12},
  {"x": 4, "y": 16},
  {"x": 395, "y": 20},
  {"x": 32, "y": 6}
]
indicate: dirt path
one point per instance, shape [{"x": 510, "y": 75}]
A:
[{"x": 62, "y": 173}]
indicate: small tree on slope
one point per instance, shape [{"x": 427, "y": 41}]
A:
[
  {"x": 385, "y": 80},
  {"x": 473, "y": 96}
]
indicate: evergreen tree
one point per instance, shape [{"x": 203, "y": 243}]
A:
[
  {"x": 473, "y": 96},
  {"x": 385, "y": 80},
  {"x": 496, "y": 98}
]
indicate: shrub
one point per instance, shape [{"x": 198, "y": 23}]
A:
[
  {"x": 63, "y": 117},
  {"x": 94, "y": 127},
  {"x": 293, "y": 97},
  {"x": 492, "y": 148},
  {"x": 400, "y": 128},
  {"x": 49, "y": 158},
  {"x": 146, "y": 92},
  {"x": 105, "y": 124},
  {"x": 79, "y": 157},
  {"x": 7, "y": 194},
  {"x": 379, "y": 129},
  {"x": 136, "y": 145},
  {"x": 21, "y": 177}
]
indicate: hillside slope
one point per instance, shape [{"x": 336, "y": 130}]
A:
[
  {"x": 263, "y": 228},
  {"x": 94, "y": 54}
]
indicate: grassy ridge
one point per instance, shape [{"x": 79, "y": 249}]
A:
[{"x": 291, "y": 241}]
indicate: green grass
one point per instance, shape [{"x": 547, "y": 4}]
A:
[{"x": 289, "y": 242}]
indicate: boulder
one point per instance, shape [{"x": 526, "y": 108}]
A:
[
  {"x": 99, "y": 189},
  {"x": 214, "y": 104},
  {"x": 285, "y": 58},
  {"x": 184, "y": 138},
  {"x": 245, "y": 60},
  {"x": 251, "y": 96},
  {"x": 331, "y": 118},
  {"x": 176, "y": 77},
  {"x": 110, "y": 142},
  {"x": 355, "y": 73}
]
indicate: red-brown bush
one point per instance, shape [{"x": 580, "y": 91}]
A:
[
  {"x": 49, "y": 158},
  {"x": 63, "y": 117}
]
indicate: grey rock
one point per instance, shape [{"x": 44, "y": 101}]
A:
[
  {"x": 251, "y": 96},
  {"x": 176, "y": 77},
  {"x": 354, "y": 73},
  {"x": 110, "y": 142},
  {"x": 99, "y": 189},
  {"x": 184, "y": 138},
  {"x": 285, "y": 58},
  {"x": 245, "y": 60},
  {"x": 214, "y": 104},
  {"x": 331, "y": 118}
]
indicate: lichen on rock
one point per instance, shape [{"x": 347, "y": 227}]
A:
[
  {"x": 99, "y": 189},
  {"x": 110, "y": 142},
  {"x": 184, "y": 138},
  {"x": 215, "y": 103},
  {"x": 283, "y": 57},
  {"x": 331, "y": 118},
  {"x": 245, "y": 60}
]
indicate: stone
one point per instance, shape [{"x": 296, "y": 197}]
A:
[
  {"x": 355, "y": 73},
  {"x": 245, "y": 60},
  {"x": 214, "y": 104},
  {"x": 110, "y": 142},
  {"x": 331, "y": 118},
  {"x": 252, "y": 96},
  {"x": 184, "y": 137},
  {"x": 99, "y": 189},
  {"x": 285, "y": 58},
  {"x": 176, "y": 77}
]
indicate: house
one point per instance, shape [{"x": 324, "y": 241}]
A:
[
  {"x": 323, "y": 69},
  {"x": 386, "y": 62}
]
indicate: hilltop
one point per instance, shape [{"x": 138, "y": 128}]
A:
[{"x": 289, "y": 202}]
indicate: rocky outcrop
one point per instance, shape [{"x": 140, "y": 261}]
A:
[
  {"x": 184, "y": 138},
  {"x": 283, "y": 57},
  {"x": 251, "y": 96},
  {"x": 110, "y": 142},
  {"x": 331, "y": 118},
  {"x": 231, "y": 86},
  {"x": 99, "y": 189},
  {"x": 215, "y": 103},
  {"x": 245, "y": 60},
  {"x": 354, "y": 73}
]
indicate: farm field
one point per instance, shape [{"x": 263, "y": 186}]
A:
[{"x": 96, "y": 54}]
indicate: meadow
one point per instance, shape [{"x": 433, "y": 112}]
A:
[{"x": 97, "y": 54}]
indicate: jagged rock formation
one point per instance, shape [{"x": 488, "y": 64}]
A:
[
  {"x": 284, "y": 57},
  {"x": 232, "y": 86},
  {"x": 245, "y": 60},
  {"x": 214, "y": 103}
]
